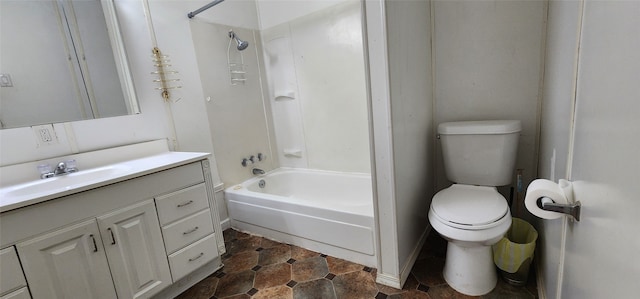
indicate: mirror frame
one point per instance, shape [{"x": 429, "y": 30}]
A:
[
  {"x": 122, "y": 63},
  {"x": 122, "y": 67}
]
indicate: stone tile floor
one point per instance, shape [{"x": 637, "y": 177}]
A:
[{"x": 255, "y": 267}]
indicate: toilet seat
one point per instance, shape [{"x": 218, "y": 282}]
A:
[{"x": 469, "y": 207}]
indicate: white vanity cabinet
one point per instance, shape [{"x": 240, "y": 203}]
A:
[
  {"x": 12, "y": 283},
  {"x": 187, "y": 229},
  {"x": 133, "y": 244},
  {"x": 68, "y": 263},
  {"x": 149, "y": 236},
  {"x": 22, "y": 293},
  {"x": 72, "y": 262}
]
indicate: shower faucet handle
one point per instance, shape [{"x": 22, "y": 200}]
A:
[
  {"x": 253, "y": 159},
  {"x": 246, "y": 162}
]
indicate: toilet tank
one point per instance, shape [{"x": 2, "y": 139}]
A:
[{"x": 480, "y": 152}]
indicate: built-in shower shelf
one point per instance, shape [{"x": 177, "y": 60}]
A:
[
  {"x": 285, "y": 95},
  {"x": 292, "y": 152}
]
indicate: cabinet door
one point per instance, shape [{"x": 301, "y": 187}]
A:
[
  {"x": 67, "y": 263},
  {"x": 22, "y": 293},
  {"x": 11, "y": 277},
  {"x": 135, "y": 250}
]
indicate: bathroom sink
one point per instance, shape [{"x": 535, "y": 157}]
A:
[
  {"x": 20, "y": 187},
  {"x": 66, "y": 182}
]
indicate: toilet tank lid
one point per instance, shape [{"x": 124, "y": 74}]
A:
[{"x": 480, "y": 127}]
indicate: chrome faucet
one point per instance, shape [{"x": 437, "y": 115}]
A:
[
  {"x": 257, "y": 171},
  {"x": 62, "y": 168}
]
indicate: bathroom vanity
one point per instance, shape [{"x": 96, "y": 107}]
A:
[{"x": 150, "y": 229}]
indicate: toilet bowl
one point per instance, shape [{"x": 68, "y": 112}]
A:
[
  {"x": 471, "y": 218},
  {"x": 471, "y": 215}
]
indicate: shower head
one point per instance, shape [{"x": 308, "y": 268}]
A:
[{"x": 241, "y": 43}]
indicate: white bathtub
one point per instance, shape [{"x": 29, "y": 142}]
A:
[{"x": 325, "y": 211}]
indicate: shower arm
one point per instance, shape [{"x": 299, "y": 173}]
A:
[{"x": 201, "y": 9}]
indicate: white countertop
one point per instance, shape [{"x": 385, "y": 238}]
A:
[{"x": 32, "y": 192}]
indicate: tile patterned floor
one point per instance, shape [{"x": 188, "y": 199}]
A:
[{"x": 255, "y": 267}]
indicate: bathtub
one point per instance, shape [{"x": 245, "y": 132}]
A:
[{"x": 325, "y": 211}]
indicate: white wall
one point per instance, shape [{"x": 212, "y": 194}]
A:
[
  {"x": 276, "y": 12},
  {"x": 402, "y": 102},
  {"x": 332, "y": 118},
  {"x": 283, "y": 96},
  {"x": 19, "y": 145},
  {"x": 602, "y": 148},
  {"x": 187, "y": 104},
  {"x": 555, "y": 126},
  {"x": 605, "y": 155},
  {"x": 488, "y": 62},
  {"x": 236, "y": 112},
  {"x": 187, "y": 108},
  {"x": 318, "y": 58},
  {"x": 412, "y": 122},
  {"x": 235, "y": 13}
]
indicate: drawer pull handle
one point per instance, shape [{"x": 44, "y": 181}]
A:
[
  {"x": 113, "y": 238},
  {"x": 197, "y": 257},
  {"x": 192, "y": 230},
  {"x": 95, "y": 246},
  {"x": 185, "y": 204}
]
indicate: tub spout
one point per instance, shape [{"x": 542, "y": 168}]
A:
[{"x": 257, "y": 171}]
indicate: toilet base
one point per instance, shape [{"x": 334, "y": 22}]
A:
[{"x": 470, "y": 270}]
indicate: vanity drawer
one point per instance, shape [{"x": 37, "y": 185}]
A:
[
  {"x": 22, "y": 293},
  {"x": 11, "y": 274},
  {"x": 185, "y": 231},
  {"x": 176, "y": 205},
  {"x": 192, "y": 257}
]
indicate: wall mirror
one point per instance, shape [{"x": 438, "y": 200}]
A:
[{"x": 60, "y": 61}]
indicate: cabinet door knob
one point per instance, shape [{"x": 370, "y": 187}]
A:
[
  {"x": 95, "y": 245},
  {"x": 185, "y": 204},
  {"x": 113, "y": 238},
  {"x": 197, "y": 257},
  {"x": 190, "y": 231}
]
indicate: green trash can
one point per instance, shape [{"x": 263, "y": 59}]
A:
[{"x": 513, "y": 254}]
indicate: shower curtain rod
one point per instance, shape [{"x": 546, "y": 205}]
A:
[{"x": 201, "y": 9}]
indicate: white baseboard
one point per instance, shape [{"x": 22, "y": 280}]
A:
[
  {"x": 190, "y": 280},
  {"x": 398, "y": 282},
  {"x": 389, "y": 280},
  {"x": 226, "y": 223},
  {"x": 406, "y": 269},
  {"x": 542, "y": 292}
]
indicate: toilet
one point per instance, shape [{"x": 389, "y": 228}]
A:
[{"x": 470, "y": 214}]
